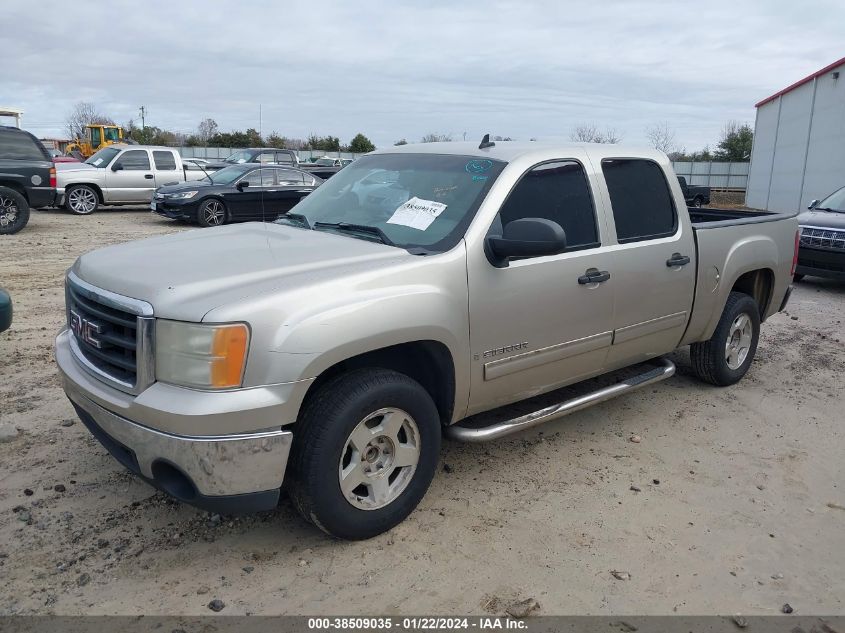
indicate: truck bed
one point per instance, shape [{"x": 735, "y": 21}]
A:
[{"x": 715, "y": 218}]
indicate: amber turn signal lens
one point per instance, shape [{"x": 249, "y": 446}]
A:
[{"x": 228, "y": 352}]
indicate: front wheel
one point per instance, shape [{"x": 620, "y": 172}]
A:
[
  {"x": 698, "y": 202},
  {"x": 364, "y": 453},
  {"x": 14, "y": 211},
  {"x": 212, "y": 212},
  {"x": 82, "y": 200},
  {"x": 726, "y": 357}
]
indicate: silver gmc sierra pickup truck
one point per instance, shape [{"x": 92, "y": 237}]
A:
[{"x": 417, "y": 289}]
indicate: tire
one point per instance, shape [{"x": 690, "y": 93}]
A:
[
  {"x": 82, "y": 200},
  {"x": 726, "y": 357},
  {"x": 355, "y": 429},
  {"x": 698, "y": 202},
  {"x": 14, "y": 211},
  {"x": 797, "y": 277},
  {"x": 212, "y": 212}
]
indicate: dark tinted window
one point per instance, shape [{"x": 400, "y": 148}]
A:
[
  {"x": 135, "y": 160},
  {"x": 19, "y": 145},
  {"x": 556, "y": 191},
  {"x": 642, "y": 202},
  {"x": 164, "y": 160}
]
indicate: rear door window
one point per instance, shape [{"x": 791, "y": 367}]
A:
[
  {"x": 289, "y": 177},
  {"x": 164, "y": 160},
  {"x": 643, "y": 208},
  {"x": 557, "y": 191}
]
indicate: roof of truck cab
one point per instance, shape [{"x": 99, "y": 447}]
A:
[
  {"x": 508, "y": 151},
  {"x": 132, "y": 146}
]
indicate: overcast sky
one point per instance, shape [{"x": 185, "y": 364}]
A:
[{"x": 393, "y": 69}]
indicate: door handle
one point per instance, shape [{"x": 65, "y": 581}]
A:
[
  {"x": 148, "y": 176},
  {"x": 677, "y": 260},
  {"x": 593, "y": 276}
]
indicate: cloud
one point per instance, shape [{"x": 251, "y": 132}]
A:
[{"x": 395, "y": 70}]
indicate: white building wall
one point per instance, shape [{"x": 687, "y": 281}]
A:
[{"x": 799, "y": 145}]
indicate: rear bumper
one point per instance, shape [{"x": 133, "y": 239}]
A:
[
  {"x": 229, "y": 474},
  {"x": 821, "y": 263}
]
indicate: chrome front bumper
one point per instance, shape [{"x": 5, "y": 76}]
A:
[{"x": 231, "y": 473}]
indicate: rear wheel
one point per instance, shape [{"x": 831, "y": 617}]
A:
[
  {"x": 212, "y": 212},
  {"x": 365, "y": 452},
  {"x": 698, "y": 202},
  {"x": 14, "y": 211},
  {"x": 81, "y": 200},
  {"x": 726, "y": 357}
]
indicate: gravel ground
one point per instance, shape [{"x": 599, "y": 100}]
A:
[{"x": 739, "y": 503}]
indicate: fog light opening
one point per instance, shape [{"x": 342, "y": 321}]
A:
[{"x": 174, "y": 481}]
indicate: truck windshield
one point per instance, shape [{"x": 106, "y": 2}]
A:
[
  {"x": 417, "y": 201},
  {"x": 103, "y": 157},
  {"x": 834, "y": 202},
  {"x": 239, "y": 157}
]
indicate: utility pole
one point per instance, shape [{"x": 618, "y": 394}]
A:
[
  {"x": 259, "y": 121},
  {"x": 143, "y": 116}
]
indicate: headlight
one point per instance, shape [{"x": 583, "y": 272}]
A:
[
  {"x": 182, "y": 195},
  {"x": 199, "y": 355}
]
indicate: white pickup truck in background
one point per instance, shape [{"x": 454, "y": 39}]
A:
[{"x": 120, "y": 174}]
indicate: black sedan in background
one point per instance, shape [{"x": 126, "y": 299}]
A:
[{"x": 235, "y": 194}]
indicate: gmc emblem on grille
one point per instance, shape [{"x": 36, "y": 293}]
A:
[{"x": 85, "y": 330}]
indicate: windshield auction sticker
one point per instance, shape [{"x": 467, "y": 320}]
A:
[{"x": 417, "y": 213}]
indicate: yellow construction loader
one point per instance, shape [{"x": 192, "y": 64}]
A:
[{"x": 98, "y": 136}]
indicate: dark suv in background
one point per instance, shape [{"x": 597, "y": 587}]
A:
[
  {"x": 821, "y": 251},
  {"x": 27, "y": 178}
]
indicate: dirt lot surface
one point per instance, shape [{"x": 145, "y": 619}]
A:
[{"x": 740, "y": 504}]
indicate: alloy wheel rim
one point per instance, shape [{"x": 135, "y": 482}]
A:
[
  {"x": 379, "y": 459},
  {"x": 213, "y": 213},
  {"x": 82, "y": 200},
  {"x": 739, "y": 341},
  {"x": 8, "y": 211}
]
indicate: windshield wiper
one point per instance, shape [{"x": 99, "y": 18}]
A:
[
  {"x": 297, "y": 217},
  {"x": 356, "y": 228},
  {"x": 829, "y": 209}
]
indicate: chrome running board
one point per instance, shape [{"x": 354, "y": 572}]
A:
[{"x": 514, "y": 425}]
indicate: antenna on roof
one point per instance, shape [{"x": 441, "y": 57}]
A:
[{"x": 486, "y": 142}]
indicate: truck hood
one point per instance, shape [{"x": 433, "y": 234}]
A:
[
  {"x": 185, "y": 275},
  {"x": 63, "y": 168},
  {"x": 825, "y": 219}
]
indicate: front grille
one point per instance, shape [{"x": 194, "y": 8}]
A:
[
  {"x": 112, "y": 335},
  {"x": 818, "y": 237}
]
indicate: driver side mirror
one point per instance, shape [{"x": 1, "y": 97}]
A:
[
  {"x": 243, "y": 184},
  {"x": 117, "y": 167},
  {"x": 813, "y": 204},
  {"x": 527, "y": 237}
]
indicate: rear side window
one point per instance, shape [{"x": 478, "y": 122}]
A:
[
  {"x": 135, "y": 160},
  {"x": 289, "y": 177},
  {"x": 17, "y": 145},
  {"x": 284, "y": 158},
  {"x": 642, "y": 203},
  {"x": 164, "y": 160},
  {"x": 556, "y": 191}
]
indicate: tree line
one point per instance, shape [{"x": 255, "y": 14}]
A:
[
  {"x": 208, "y": 134},
  {"x": 734, "y": 144}
]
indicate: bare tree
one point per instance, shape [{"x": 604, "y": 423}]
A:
[
  {"x": 590, "y": 133},
  {"x": 83, "y": 114},
  {"x": 206, "y": 129},
  {"x": 662, "y": 137},
  {"x": 435, "y": 138}
]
